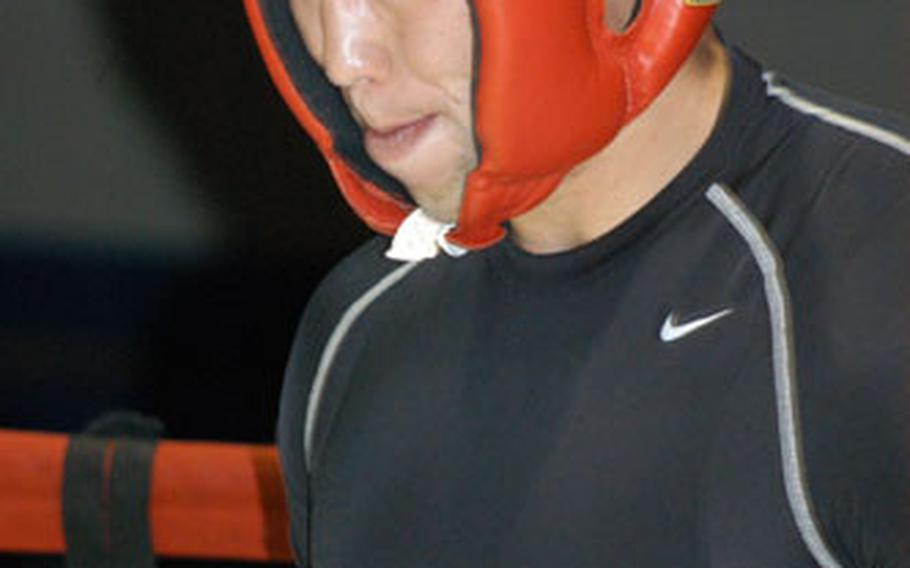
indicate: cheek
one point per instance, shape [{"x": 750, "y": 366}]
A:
[
  {"x": 308, "y": 22},
  {"x": 439, "y": 42}
]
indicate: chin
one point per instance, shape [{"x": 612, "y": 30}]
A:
[
  {"x": 436, "y": 179},
  {"x": 439, "y": 202}
]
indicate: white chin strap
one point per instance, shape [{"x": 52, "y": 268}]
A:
[{"x": 421, "y": 237}]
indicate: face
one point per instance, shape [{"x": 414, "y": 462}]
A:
[{"x": 405, "y": 69}]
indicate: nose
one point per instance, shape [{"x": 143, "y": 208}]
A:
[{"x": 354, "y": 49}]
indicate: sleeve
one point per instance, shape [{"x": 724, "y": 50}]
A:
[{"x": 851, "y": 267}]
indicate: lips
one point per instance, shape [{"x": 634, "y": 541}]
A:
[{"x": 392, "y": 144}]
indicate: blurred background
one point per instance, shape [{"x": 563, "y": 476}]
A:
[{"x": 163, "y": 220}]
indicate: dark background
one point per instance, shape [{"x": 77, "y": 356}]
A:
[{"x": 163, "y": 219}]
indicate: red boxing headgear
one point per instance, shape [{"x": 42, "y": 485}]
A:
[{"x": 553, "y": 86}]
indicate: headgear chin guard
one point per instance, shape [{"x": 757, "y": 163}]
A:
[{"x": 553, "y": 86}]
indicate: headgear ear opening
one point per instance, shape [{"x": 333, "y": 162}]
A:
[
  {"x": 636, "y": 10},
  {"x": 619, "y": 22}
]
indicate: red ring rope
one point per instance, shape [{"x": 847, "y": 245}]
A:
[{"x": 208, "y": 500}]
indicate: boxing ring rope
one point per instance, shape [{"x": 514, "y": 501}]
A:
[{"x": 207, "y": 500}]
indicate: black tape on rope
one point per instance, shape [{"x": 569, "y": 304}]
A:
[{"x": 106, "y": 487}]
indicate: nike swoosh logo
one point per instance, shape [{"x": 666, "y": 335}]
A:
[{"x": 672, "y": 330}]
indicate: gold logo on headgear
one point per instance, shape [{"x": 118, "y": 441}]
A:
[{"x": 702, "y": 2}]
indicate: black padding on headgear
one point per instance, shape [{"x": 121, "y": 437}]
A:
[
  {"x": 323, "y": 99},
  {"x": 106, "y": 487},
  {"x": 636, "y": 10}
]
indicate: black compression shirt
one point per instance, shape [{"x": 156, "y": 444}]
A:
[{"x": 723, "y": 380}]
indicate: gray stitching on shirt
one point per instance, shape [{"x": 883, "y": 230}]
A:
[
  {"x": 341, "y": 330},
  {"x": 778, "y": 298}
]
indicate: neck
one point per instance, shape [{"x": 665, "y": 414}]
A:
[{"x": 601, "y": 193}]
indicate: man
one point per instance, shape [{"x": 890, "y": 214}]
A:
[{"x": 645, "y": 305}]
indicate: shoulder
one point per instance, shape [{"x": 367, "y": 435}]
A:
[
  {"x": 813, "y": 166},
  {"x": 848, "y": 142},
  {"x": 349, "y": 281},
  {"x": 342, "y": 287},
  {"x": 847, "y": 263},
  {"x": 849, "y": 172},
  {"x": 349, "y": 286},
  {"x": 887, "y": 130},
  {"x": 849, "y": 250}
]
